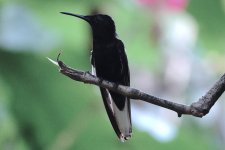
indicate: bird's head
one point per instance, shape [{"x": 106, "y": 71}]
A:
[{"x": 103, "y": 27}]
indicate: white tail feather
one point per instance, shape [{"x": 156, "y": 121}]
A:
[{"x": 122, "y": 118}]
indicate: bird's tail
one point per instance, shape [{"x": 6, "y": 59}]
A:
[{"x": 119, "y": 118}]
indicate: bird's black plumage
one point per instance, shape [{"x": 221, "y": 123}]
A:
[{"x": 110, "y": 62}]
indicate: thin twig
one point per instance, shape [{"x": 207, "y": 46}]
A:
[{"x": 198, "y": 109}]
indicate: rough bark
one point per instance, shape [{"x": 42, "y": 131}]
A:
[{"x": 199, "y": 108}]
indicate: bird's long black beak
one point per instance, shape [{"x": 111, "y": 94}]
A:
[{"x": 76, "y": 15}]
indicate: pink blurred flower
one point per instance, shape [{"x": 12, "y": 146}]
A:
[{"x": 172, "y": 5}]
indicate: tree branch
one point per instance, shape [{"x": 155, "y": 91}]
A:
[{"x": 198, "y": 109}]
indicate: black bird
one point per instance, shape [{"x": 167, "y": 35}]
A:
[{"x": 109, "y": 62}]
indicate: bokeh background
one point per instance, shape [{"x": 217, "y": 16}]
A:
[{"x": 176, "y": 50}]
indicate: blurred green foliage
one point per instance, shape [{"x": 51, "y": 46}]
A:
[
  {"x": 41, "y": 109},
  {"x": 211, "y": 20}
]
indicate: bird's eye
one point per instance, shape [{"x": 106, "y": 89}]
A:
[{"x": 99, "y": 18}]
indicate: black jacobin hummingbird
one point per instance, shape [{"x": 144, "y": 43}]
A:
[{"x": 109, "y": 62}]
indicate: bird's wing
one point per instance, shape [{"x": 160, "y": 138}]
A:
[
  {"x": 107, "y": 100},
  {"x": 120, "y": 119},
  {"x": 124, "y": 63},
  {"x": 118, "y": 106},
  {"x": 124, "y": 114}
]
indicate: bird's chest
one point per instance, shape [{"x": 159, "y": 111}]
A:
[
  {"x": 105, "y": 54},
  {"x": 106, "y": 60}
]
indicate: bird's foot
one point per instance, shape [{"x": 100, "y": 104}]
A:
[
  {"x": 86, "y": 74},
  {"x": 100, "y": 80},
  {"x": 116, "y": 85}
]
